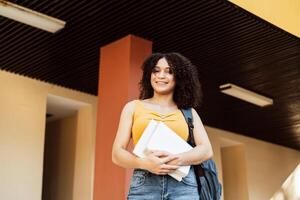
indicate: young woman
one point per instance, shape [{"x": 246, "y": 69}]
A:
[{"x": 169, "y": 83}]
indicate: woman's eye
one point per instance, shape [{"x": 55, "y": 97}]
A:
[
  {"x": 155, "y": 71},
  {"x": 165, "y": 71},
  {"x": 170, "y": 71}
]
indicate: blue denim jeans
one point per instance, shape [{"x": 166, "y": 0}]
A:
[{"x": 147, "y": 186}]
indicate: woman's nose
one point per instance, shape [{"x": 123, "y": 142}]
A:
[{"x": 161, "y": 74}]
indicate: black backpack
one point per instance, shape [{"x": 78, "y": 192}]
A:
[{"x": 209, "y": 187}]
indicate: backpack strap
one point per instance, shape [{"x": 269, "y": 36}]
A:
[{"x": 187, "y": 113}]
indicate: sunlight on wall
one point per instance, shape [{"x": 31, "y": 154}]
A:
[{"x": 289, "y": 191}]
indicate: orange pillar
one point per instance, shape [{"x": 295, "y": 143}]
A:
[{"x": 120, "y": 72}]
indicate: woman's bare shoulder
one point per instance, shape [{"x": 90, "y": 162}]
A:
[{"x": 129, "y": 107}]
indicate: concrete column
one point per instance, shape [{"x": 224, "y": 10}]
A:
[{"x": 120, "y": 73}]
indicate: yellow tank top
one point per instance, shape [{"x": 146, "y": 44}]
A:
[{"x": 142, "y": 116}]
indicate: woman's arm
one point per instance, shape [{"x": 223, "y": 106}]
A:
[
  {"x": 154, "y": 162},
  {"x": 203, "y": 150}
]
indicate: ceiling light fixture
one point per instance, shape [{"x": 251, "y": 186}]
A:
[
  {"x": 30, "y": 17},
  {"x": 246, "y": 95}
]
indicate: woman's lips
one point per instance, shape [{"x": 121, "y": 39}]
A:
[{"x": 161, "y": 82}]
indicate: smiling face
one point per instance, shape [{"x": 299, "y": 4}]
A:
[{"x": 162, "y": 78}]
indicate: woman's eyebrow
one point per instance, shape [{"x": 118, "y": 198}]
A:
[{"x": 162, "y": 66}]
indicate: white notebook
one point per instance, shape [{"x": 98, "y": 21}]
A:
[
  {"x": 158, "y": 136},
  {"x": 140, "y": 147}
]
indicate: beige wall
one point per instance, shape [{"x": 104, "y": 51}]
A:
[
  {"x": 282, "y": 13},
  {"x": 267, "y": 165},
  {"x": 85, "y": 154},
  {"x": 59, "y": 162},
  {"x": 234, "y": 172},
  {"x": 290, "y": 188},
  {"x": 22, "y": 116},
  {"x": 22, "y": 126}
]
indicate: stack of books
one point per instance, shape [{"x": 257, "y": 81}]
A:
[{"x": 158, "y": 136}]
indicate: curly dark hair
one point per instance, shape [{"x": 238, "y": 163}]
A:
[{"x": 187, "y": 91}]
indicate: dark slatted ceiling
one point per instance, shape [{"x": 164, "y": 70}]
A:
[{"x": 227, "y": 43}]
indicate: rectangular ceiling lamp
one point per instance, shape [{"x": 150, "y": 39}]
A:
[
  {"x": 30, "y": 17},
  {"x": 246, "y": 95}
]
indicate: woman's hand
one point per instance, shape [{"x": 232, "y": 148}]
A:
[
  {"x": 178, "y": 160},
  {"x": 156, "y": 162}
]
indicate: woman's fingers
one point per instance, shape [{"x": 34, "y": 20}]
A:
[
  {"x": 165, "y": 169},
  {"x": 169, "y": 167},
  {"x": 163, "y": 173},
  {"x": 157, "y": 162},
  {"x": 168, "y": 158},
  {"x": 160, "y": 153}
]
